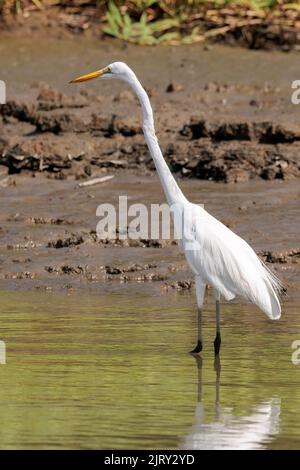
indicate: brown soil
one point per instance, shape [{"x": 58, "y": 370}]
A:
[
  {"x": 232, "y": 25},
  {"x": 65, "y": 136},
  {"x": 60, "y": 250}
]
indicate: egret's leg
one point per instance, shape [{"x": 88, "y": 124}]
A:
[
  {"x": 217, "y": 367},
  {"x": 200, "y": 291},
  {"x": 199, "y": 368},
  {"x": 217, "y": 341}
]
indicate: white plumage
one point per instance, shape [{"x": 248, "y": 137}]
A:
[{"x": 225, "y": 261}]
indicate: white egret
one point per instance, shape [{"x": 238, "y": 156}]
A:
[{"x": 217, "y": 256}]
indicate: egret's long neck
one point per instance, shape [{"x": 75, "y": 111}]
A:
[{"x": 172, "y": 191}]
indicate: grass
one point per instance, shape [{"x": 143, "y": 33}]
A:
[{"x": 151, "y": 22}]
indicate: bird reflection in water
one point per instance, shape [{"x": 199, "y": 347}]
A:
[{"x": 228, "y": 431}]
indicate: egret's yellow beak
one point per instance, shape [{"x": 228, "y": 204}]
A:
[{"x": 88, "y": 76}]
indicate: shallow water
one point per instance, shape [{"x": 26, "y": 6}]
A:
[{"x": 112, "y": 371}]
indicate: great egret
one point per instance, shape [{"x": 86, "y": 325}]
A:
[{"x": 217, "y": 256}]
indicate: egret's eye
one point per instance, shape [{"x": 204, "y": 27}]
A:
[{"x": 108, "y": 70}]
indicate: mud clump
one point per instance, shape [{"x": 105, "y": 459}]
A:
[
  {"x": 125, "y": 273},
  {"x": 181, "y": 285},
  {"x": 73, "y": 240},
  {"x": 262, "y": 132},
  {"x": 66, "y": 269},
  {"x": 124, "y": 240},
  {"x": 290, "y": 256},
  {"x": 19, "y": 158},
  {"x": 18, "y": 275},
  {"x": 115, "y": 270},
  {"x": 232, "y": 162},
  {"x": 24, "y": 112},
  {"x": 59, "y": 123},
  {"x": 91, "y": 237},
  {"x": 268, "y": 151},
  {"x": 48, "y": 221},
  {"x": 134, "y": 273},
  {"x": 49, "y": 99},
  {"x": 38, "y": 220},
  {"x": 138, "y": 243},
  {"x": 83, "y": 272}
]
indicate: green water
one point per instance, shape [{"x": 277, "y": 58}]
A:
[{"x": 112, "y": 371}]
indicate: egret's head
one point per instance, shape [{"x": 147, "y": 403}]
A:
[{"x": 117, "y": 70}]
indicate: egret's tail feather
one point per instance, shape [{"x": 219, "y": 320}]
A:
[
  {"x": 274, "y": 310},
  {"x": 276, "y": 283},
  {"x": 275, "y": 288}
]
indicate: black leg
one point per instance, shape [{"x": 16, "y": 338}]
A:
[
  {"x": 199, "y": 345},
  {"x": 217, "y": 341}
]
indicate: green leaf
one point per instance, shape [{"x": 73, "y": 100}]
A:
[
  {"x": 162, "y": 25},
  {"x": 115, "y": 14},
  {"x": 171, "y": 36},
  {"x": 109, "y": 31},
  {"x": 112, "y": 24},
  {"x": 143, "y": 19},
  {"x": 127, "y": 29}
]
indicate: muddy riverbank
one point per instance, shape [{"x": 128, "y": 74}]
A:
[
  {"x": 48, "y": 233},
  {"x": 66, "y": 136}
]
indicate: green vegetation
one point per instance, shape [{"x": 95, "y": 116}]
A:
[
  {"x": 151, "y": 22},
  {"x": 154, "y": 22},
  {"x": 143, "y": 30}
]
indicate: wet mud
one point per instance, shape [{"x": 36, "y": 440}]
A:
[
  {"x": 61, "y": 251},
  {"x": 66, "y": 136}
]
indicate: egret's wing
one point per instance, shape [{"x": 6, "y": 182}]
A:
[{"x": 229, "y": 264}]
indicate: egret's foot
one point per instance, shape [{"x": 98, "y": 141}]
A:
[
  {"x": 198, "y": 348},
  {"x": 217, "y": 344}
]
